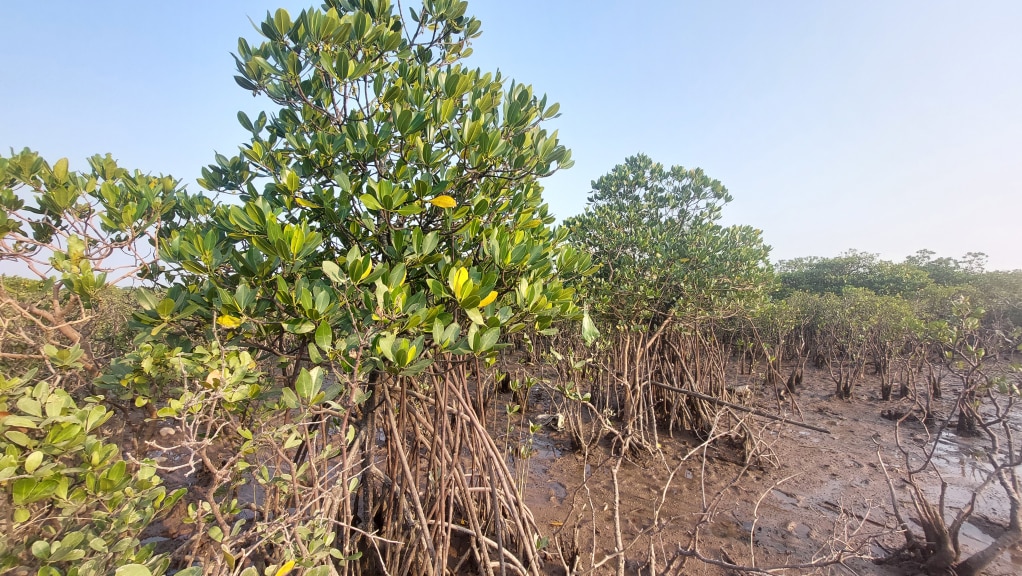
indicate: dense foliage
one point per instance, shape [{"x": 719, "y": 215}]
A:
[
  {"x": 669, "y": 275},
  {"x": 388, "y": 234},
  {"x": 77, "y": 233},
  {"x": 655, "y": 233},
  {"x": 924, "y": 288},
  {"x": 72, "y": 504}
]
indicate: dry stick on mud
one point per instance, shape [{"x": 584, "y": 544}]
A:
[
  {"x": 708, "y": 508},
  {"x": 657, "y": 525},
  {"x": 903, "y": 525},
  {"x": 571, "y": 564},
  {"x": 940, "y": 550},
  {"x": 837, "y": 557},
  {"x": 570, "y": 560},
  {"x": 608, "y": 428},
  {"x": 1006, "y": 473},
  {"x": 570, "y": 554},
  {"x": 755, "y": 515},
  {"x": 733, "y": 406}
]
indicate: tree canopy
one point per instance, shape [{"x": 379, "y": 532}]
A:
[{"x": 654, "y": 232}]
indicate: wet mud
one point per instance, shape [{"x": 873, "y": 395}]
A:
[{"x": 809, "y": 497}]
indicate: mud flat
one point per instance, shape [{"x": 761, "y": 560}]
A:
[{"x": 809, "y": 497}]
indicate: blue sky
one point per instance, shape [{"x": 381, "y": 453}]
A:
[{"x": 881, "y": 126}]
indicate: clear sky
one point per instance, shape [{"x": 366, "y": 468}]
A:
[{"x": 883, "y": 126}]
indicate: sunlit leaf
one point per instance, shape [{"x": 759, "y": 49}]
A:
[
  {"x": 489, "y": 299},
  {"x": 443, "y": 201},
  {"x": 227, "y": 321},
  {"x": 285, "y": 568}
]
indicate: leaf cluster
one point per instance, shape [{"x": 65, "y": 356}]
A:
[
  {"x": 385, "y": 225},
  {"x": 75, "y": 506},
  {"x": 654, "y": 232},
  {"x": 391, "y": 203}
]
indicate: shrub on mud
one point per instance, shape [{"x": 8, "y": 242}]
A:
[
  {"x": 73, "y": 505},
  {"x": 328, "y": 331},
  {"x": 669, "y": 275}
]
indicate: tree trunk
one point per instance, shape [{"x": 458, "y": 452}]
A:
[
  {"x": 967, "y": 416},
  {"x": 974, "y": 564},
  {"x": 935, "y": 386}
]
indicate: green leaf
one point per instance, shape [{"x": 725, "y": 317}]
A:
[
  {"x": 342, "y": 181},
  {"x": 60, "y": 169},
  {"x": 475, "y": 315},
  {"x": 293, "y": 441},
  {"x": 215, "y": 533},
  {"x": 245, "y": 122},
  {"x": 324, "y": 336},
  {"x": 304, "y": 385},
  {"x": 291, "y": 181},
  {"x": 41, "y": 549},
  {"x": 314, "y": 356},
  {"x": 288, "y": 397},
  {"x": 19, "y": 422},
  {"x": 165, "y": 307},
  {"x": 370, "y": 202},
  {"x": 133, "y": 570},
  {"x": 397, "y": 276},
  {"x": 489, "y": 339},
  {"x": 30, "y": 406},
  {"x": 146, "y": 470},
  {"x": 332, "y": 271},
  {"x": 33, "y": 461},
  {"x": 385, "y": 343},
  {"x": 299, "y": 326},
  {"x": 589, "y": 332},
  {"x": 29, "y": 490},
  {"x": 19, "y": 438},
  {"x": 435, "y": 287}
]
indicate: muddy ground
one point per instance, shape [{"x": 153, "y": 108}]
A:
[{"x": 808, "y": 497}]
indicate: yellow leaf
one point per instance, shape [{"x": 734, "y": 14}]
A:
[
  {"x": 460, "y": 277},
  {"x": 305, "y": 203},
  {"x": 213, "y": 377},
  {"x": 489, "y": 298},
  {"x": 443, "y": 201},
  {"x": 286, "y": 568},
  {"x": 228, "y": 322}
]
